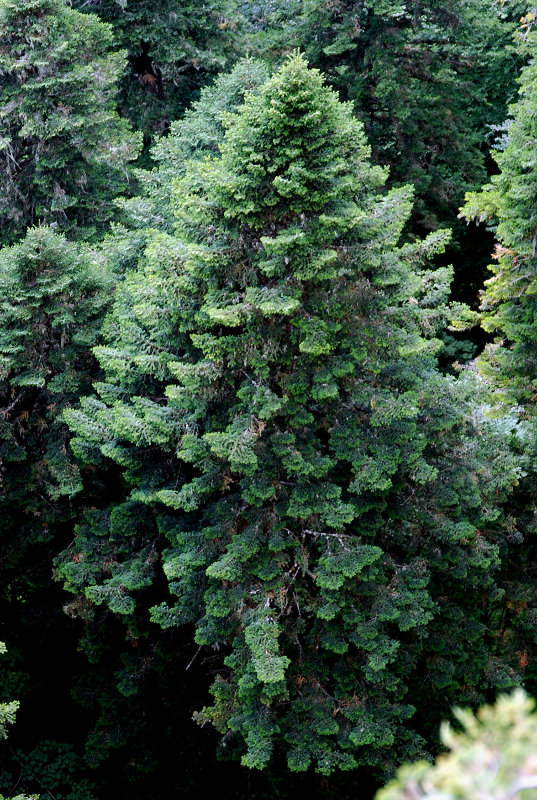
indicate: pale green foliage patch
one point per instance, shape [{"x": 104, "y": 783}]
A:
[{"x": 491, "y": 756}]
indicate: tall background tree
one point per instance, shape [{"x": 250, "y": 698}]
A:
[
  {"x": 508, "y": 204},
  {"x": 64, "y": 151},
  {"x": 53, "y": 295},
  {"x": 173, "y": 49}
]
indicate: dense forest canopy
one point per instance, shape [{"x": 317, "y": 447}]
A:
[{"x": 267, "y": 423}]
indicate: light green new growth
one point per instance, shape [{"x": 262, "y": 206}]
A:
[{"x": 493, "y": 757}]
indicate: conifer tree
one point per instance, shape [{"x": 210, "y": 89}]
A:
[
  {"x": 118, "y": 687},
  {"x": 310, "y": 481},
  {"x": 509, "y": 204},
  {"x": 173, "y": 48},
  {"x": 196, "y": 135},
  {"x": 509, "y": 312},
  {"x": 52, "y": 299},
  {"x": 64, "y": 151},
  {"x": 53, "y": 295},
  {"x": 427, "y": 78}
]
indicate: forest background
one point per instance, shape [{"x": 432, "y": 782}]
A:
[{"x": 267, "y": 429}]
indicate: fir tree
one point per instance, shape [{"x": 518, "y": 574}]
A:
[
  {"x": 64, "y": 151},
  {"x": 52, "y": 298},
  {"x": 53, "y": 294},
  {"x": 509, "y": 203},
  {"x": 427, "y": 79},
  {"x": 173, "y": 48},
  {"x": 509, "y": 312},
  {"x": 311, "y": 482},
  {"x": 196, "y": 135}
]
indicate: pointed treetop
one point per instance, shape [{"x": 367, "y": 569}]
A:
[{"x": 289, "y": 149}]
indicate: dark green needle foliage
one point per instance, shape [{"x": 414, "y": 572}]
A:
[
  {"x": 509, "y": 312},
  {"x": 53, "y": 295},
  {"x": 173, "y": 47},
  {"x": 50, "y": 769},
  {"x": 427, "y": 78},
  {"x": 52, "y": 299},
  {"x": 310, "y": 482},
  {"x": 7, "y": 717},
  {"x": 64, "y": 151},
  {"x": 509, "y": 204}
]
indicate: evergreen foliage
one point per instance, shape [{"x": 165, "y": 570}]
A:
[
  {"x": 50, "y": 769},
  {"x": 64, "y": 151},
  {"x": 428, "y": 79},
  {"x": 173, "y": 48},
  {"x": 53, "y": 294},
  {"x": 52, "y": 298},
  {"x": 492, "y": 756},
  {"x": 316, "y": 490},
  {"x": 509, "y": 202},
  {"x": 273, "y": 489},
  {"x": 7, "y": 710},
  {"x": 509, "y": 310},
  {"x": 194, "y": 137},
  {"x": 431, "y": 81}
]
